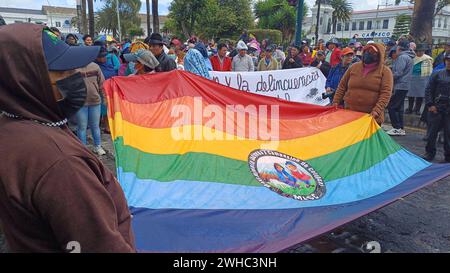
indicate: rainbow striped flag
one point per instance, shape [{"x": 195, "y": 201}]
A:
[{"x": 207, "y": 168}]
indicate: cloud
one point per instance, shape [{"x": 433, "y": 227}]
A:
[{"x": 29, "y": 4}]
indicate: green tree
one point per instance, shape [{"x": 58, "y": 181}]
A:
[
  {"x": 217, "y": 21},
  {"x": 422, "y": 19},
  {"x": 135, "y": 31},
  {"x": 242, "y": 9},
  {"x": 439, "y": 4},
  {"x": 402, "y": 26},
  {"x": 129, "y": 17},
  {"x": 209, "y": 18},
  {"x": 183, "y": 15},
  {"x": 342, "y": 12},
  {"x": 277, "y": 14}
]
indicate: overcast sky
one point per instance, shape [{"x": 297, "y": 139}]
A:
[{"x": 163, "y": 4}]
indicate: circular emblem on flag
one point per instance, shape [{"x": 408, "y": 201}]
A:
[{"x": 286, "y": 175}]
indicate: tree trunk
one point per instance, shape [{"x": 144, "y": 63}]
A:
[
  {"x": 318, "y": 22},
  {"x": 91, "y": 17},
  {"x": 149, "y": 31},
  {"x": 83, "y": 17},
  {"x": 422, "y": 21},
  {"x": 155, "y": 16},
  {"x": 334, "y": 22},
  {"x": 185, "y": 30}
]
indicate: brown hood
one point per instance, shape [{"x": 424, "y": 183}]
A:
[
  {"x": 382, "y": 50},
  {"x": 25, "y": 88}
]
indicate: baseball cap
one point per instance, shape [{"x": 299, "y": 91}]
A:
[
  {"x": 346, "y": 51},
  {"x": 60, "y": 56}
]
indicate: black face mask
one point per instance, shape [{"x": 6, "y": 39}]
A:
[
  {"x": 369, "y": 58},
  {"x": 74, "y": 92}
]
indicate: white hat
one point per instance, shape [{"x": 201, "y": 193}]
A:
[
  {"x": 370, "y": 42},
  {"x": 241, "y": 46}
]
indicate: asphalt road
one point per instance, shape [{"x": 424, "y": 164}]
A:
[{"x": 419, "y": 222}]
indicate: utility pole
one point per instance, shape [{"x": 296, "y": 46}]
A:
[
  {"x": 319, "y": 2},
  {"x": 50, "y": 15},
  {"x": 376, "y": 17}
]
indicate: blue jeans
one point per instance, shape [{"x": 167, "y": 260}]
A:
[{"x": 91, "y": 115}]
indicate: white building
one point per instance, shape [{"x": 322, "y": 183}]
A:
[
  {"x": 60, "y": 17},
  {"x": 374, "y": 24}
]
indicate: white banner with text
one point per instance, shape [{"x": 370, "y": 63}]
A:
[{"x": 299, "y": 85}]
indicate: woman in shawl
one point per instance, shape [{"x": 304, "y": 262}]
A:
[{"x": 194, "y": 62}]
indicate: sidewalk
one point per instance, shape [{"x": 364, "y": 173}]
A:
[{"x": 412, "y": 121}]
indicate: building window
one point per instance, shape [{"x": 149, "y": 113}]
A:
[
  {"x": 321, "y": 20},
  {"x": 378, "y": 25},
  {"x": 434, "y": 23},
  {"x": 361, "y": 25},
  {"x": 339, "y": 27},
  {"x": 58, "y": 24},
  {"x": 445, "y": 22},
  {"x": 369, "y": 25},
  {"x": 439, "y": 23},
  {"x": 347, "y": 26},
  {"x": 329, "y": 26},
  {"x": 386, "y": 24},
  {"x": 353, "y": 25}
]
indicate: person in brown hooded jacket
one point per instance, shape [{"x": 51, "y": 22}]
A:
[
  {"x": 55, "y": 195},
  {"x": 367, "y": 85}
]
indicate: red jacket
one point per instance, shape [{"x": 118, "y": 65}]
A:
[
  {"x": 226, "y": 66},
  {"x": 335, "y": 57}
]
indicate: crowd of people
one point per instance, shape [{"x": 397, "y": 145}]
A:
[
  {"x": 369, "y": 77},
  {"x": 65, "y": 85}
]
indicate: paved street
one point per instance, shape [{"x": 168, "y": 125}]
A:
[{"x": 418, "y": 223}]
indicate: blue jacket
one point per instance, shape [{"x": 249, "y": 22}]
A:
[
  {"x": 111, "y": 58},
  {"x": 335, "y": 76},
  {"x": 402, "y": 69},
  {"x": 107, "y": 70}
]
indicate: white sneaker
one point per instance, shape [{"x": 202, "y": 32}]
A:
[
  {"x": 396, "y": 132},
  {"x": 386, "y": 127},
  {"x": 99, "y": 150}
]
